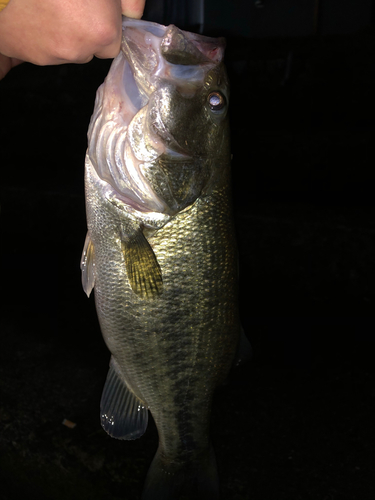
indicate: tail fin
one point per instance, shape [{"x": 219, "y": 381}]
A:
[{"x": 186, "y": 481}]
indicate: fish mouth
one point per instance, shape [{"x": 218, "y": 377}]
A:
[{"x": 158, "y": 54}]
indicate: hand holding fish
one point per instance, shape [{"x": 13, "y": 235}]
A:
[{"x": 62, "y": 31}]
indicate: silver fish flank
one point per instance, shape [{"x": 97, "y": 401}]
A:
[{"x": 160, "y": 250}]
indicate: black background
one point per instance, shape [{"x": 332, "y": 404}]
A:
[{"x": 294, "y": 423}]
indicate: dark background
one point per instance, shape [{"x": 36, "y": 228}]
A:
[{"x": 294, "y": 423}]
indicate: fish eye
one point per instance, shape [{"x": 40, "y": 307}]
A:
[{"x": 216, "y": 101}]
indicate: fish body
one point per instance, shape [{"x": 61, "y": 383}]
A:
[{"x": 160, "y": 250}]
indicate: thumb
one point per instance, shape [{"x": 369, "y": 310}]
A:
[{"x": 133, "y": 8}]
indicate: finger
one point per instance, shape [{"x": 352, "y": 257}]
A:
[
  {"x": 109, "y": 38},
  {"x": 133, "y": 8},
  {"x": 6, "y": 64},
  {"x": 16, "y": 62}
]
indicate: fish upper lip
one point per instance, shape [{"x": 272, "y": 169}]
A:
[
  {"x": 166, "y": 47},
  {"x": 160, "y": 30}
]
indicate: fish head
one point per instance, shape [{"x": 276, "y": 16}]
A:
[{"x": 167, "y": 96}]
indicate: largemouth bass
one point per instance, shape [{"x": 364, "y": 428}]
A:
[{"x": 160, "y": 249}]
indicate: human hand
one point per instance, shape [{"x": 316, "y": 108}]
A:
[{"x": 62, "y": 31}]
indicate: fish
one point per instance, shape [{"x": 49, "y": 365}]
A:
[{"x": 160, "y": 251}]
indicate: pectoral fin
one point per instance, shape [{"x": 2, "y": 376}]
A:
[
  {"x": 142, "y": 267},
  {"x": 87, "y": 266},
  {"x": 122, "y": 414}
]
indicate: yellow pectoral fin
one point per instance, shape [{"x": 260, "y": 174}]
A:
[
  {"x": 142, "y": 267},
  {"x": 3, "y": 4}
]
